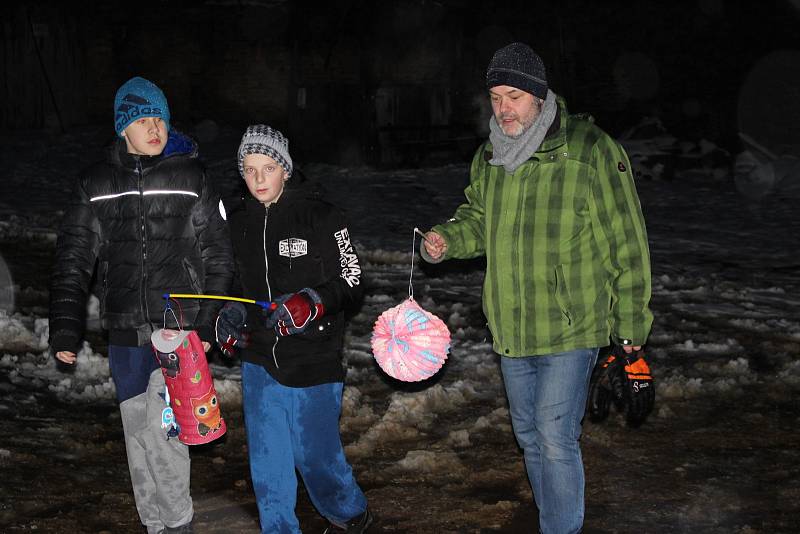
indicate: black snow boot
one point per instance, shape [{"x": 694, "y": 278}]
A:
[
  {"x": 183, "y": 529},
  {"x": 357, "y": 525}
]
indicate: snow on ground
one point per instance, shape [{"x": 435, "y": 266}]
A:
[{"x": 719, "y": 363}]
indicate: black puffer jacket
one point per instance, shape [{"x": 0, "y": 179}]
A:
[
  {"x": 299, "y": 241},
  {"x": 151, "y": 225}
]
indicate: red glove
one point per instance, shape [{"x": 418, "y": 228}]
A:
[{"x": 295, "y": 311}]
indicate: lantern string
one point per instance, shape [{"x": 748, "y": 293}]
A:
[
  {"x": 413, "y": 251},
  {"x": 168, "y": 309}
]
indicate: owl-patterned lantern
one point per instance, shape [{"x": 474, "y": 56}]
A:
[{"x": 191, "y": 390}]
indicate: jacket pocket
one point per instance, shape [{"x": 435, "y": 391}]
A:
[
  {"x": 103, "y": 274},
  {"x": 321, "y": 329},
  {"x": 562, "y": 294},
  {"x": 191, "y": 273}
]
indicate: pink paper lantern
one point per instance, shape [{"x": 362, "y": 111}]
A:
[{"x": 409, "y": 343}]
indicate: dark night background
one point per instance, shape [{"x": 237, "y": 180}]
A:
[
  {"x": 392, "y": 83},
  {"x": 384, "y": 103}
]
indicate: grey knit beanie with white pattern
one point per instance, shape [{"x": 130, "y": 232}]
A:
[{"x": 262, "y": 139}]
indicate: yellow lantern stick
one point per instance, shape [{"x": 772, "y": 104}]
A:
[{"x": 263, "y": 303}]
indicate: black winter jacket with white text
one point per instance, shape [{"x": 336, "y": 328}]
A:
[{"x": 299, "y": 241}]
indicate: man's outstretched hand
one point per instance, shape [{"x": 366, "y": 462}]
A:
[{"x": 435, "y": 245}]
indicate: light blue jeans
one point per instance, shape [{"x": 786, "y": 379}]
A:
[
  {"x": 296, "y": 428},
  {"x": 547, "y": 400}
]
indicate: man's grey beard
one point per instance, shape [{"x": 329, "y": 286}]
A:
[
  {"x": 525, "y": 127},
  {"x": 511, "y": 152}
]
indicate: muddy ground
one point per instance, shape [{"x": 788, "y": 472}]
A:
[{"x": 706, "y": 463}]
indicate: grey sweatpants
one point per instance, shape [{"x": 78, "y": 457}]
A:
[{"x": 160, "y": 468}]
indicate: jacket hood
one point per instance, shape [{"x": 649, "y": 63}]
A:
[
  {"x": 557, "y": 133},
  {"x": 178, "y": 144},
  {"x": 297, "y": 189}
]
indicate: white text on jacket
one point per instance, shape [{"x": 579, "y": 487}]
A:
[{"x": 351, "y": 270}]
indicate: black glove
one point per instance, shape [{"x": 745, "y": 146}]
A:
[
  {"x": 295, "y": 311},
  {"x": 639, "y": 392},
  {"x": 606, "y": 386},
  {"x": 229, "y": 328}
]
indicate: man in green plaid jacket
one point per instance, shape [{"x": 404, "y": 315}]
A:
[{"x": 552, "y": 205}]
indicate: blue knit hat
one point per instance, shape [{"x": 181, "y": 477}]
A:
[{"x": 138, "y": 98}]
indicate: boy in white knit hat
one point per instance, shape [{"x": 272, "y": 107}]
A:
[{"x": 294, "y": 249}]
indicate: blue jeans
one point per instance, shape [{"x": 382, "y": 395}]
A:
[
  {"x": 131, "y": 368},
  {"x": 547, "y": 400},
  {"x": 290, "y": 428}
]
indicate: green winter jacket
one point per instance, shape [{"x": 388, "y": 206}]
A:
[{"x": 567, "y": 261}]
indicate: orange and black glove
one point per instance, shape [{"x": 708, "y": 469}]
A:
[
  {"x": 639, "y": 393},
  {"x": 606, "y": 386}
]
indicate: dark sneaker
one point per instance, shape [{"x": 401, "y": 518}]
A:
[
  {"x": 357, "y": 525},
  {"x": 183, "y": 529}
]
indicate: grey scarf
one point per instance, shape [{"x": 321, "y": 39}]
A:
[{"x": 511, "y": 152}]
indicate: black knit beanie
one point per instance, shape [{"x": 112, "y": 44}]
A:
[{"x": 517, "y": 65}]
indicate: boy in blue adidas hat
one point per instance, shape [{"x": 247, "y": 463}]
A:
[
  {"x": 145, "y": 221},
  {"x": 136, "y": 99}
]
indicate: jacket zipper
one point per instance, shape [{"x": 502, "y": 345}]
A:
[
  {"x": 266, "y": 279},
  {"x": 143, "y": 284}
]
